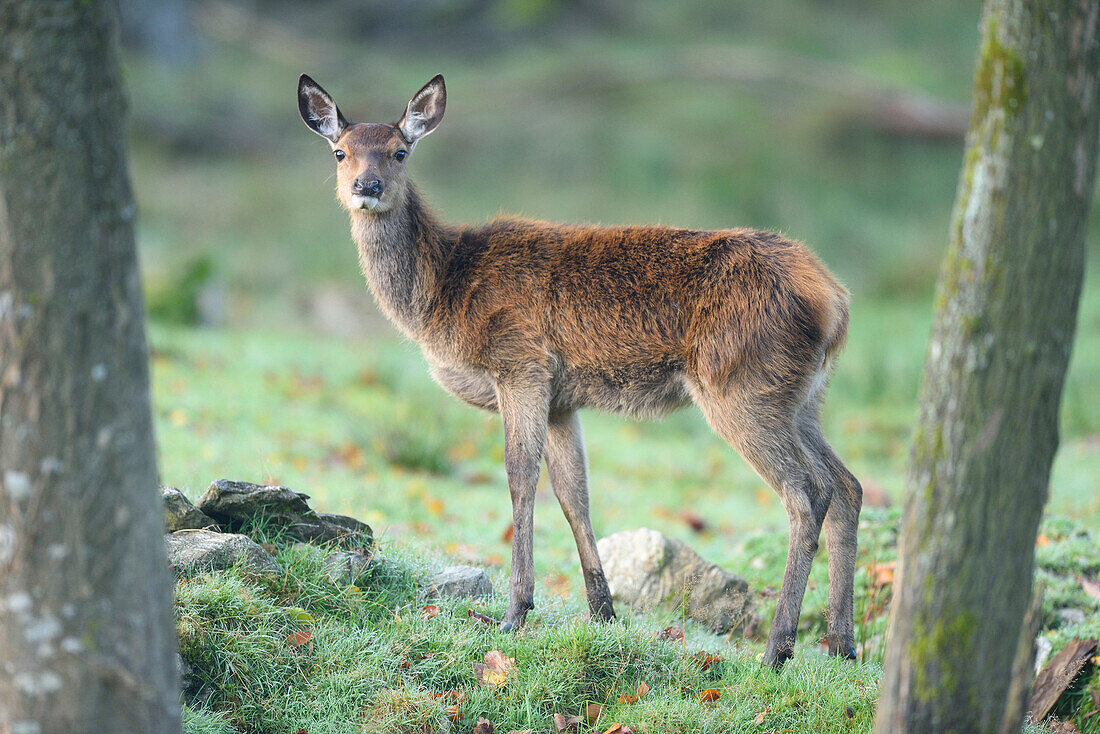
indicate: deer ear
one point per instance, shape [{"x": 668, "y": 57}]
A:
[
  {"x": 425, "y": 110},
  {"x": 318, "y": 110}
]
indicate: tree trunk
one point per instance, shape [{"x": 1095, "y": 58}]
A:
[
  {"x": 1001, "y": 339},
  {"x": 86, "y": 634}
]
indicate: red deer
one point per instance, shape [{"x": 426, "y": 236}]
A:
[{"x": 537, "y": 320}]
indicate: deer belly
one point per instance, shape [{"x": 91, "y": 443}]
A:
[
  {"x": 647, "y": 392},
  {"x": 470, "y": 385}
]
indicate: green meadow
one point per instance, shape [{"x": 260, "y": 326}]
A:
[{"x": 703, "y": 115}]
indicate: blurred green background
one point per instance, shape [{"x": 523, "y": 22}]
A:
[{"x": 836, "y": 122}]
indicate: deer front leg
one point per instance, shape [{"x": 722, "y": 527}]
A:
[
  {"x": 523, "y": 408},
  {"x": 568, "y": 477}
]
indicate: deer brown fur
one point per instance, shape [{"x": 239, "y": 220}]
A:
[{"x": 537, "y": 320}]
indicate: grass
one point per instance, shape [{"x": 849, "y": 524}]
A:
[{"x": 299, "y": 652}]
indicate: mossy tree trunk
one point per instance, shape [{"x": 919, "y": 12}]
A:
[
  {"x": 1001, "y": 338},
  {"x": 87, "y": 642}
]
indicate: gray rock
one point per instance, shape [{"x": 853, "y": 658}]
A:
[
  {"x": 461, "y": 582},
  {"x": 1069, "y": 616},
  {"x": 192, "y": 551},
  {"x": 180, "y": 514},
  {"x": 342, "y": 527},
  {"x": 1043, "y": 648},
  {"x": 242, "y": 505},
  {"x": 646, "y": 570},
  {"x": 345, "y": 568}
]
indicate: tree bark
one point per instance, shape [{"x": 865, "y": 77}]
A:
[
  {"x": 1001, "y": 338},
  {"x": 87, "y": 639}
]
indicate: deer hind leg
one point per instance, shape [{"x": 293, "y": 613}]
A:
[
  {"x": 524, "y": 406},
  {"x": 568, "y": 477},
  {"x": 841, "y": 526},
  {"x": 762, "y": 427}
]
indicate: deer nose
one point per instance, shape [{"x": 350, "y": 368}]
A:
[{"x": 372, "y": 188}]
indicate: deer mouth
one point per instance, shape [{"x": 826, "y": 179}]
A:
[{"x": 366, "y": 203}]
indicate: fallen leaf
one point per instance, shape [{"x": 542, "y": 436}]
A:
[
  {"x": 710, "y": 695},
  {"x": 706, "y": 659},
  {"x": 643, "y": 688},
  {"x": 301, "y": 637},
  {"x": 495, "y": 670},
  {"x": 1042, "y": 541},
  {"x": 693, "y": 521},
  {"x": 483, "y": 726},
  {"x": 522, "y": 731},
  {"x": 759, "y": 719},
  {"x": 882, "y": 574},
  {"x": 673, "y": 634},
  {"x": 1090, "y": 587},
  {"x": 482, "y": 618},
  {"x": 454, "y": 712},
  {"x": 299, "y": 615},
  {"x": 429, "y": 611},
  {"x": 592, "y": 713},
  {"x": 563, "y": 723},
  {"x": 618, "y": 729}
]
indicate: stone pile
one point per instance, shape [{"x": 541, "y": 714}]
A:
[{"x": 211, "y": 536}]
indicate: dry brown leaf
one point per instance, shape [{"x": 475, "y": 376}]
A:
[
  {"x": 642, "y": 689},
  {"x": 710, "y": 695},
  {"x": 673, "y": 634},
  {"x": 429, "y": 611},
  {"x": 484, "y": 726},
  {"x": 453, "y": 712},
  {"x": 494, "y": 672},
  {"x": 693, "y": 521},
  {"x": 759, "y": 719},
  {"x": 301, "y": 637},
  {"x": 482, "y": 618},
  {"x": 593, "y": 712},
  {"x": 1042, "y": 541},
  {"x": 706, "y": 659},
  {"x": 882, "y": 574},
  {"x": 619, "y": 729},
  {"x": 564, "y": 723}
]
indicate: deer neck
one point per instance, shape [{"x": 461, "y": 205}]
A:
[{"x": 401, "y": 254}]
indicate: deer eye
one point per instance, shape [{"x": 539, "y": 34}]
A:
[
  {"x": 400, "y": 155},
  {"x": 339, "y": 155}
]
